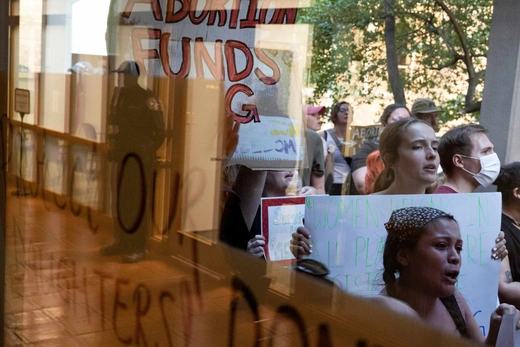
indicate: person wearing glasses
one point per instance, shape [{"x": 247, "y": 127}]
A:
[{"x": 335, "y": 137}]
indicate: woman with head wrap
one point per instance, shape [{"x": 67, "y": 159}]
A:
[{"x": 423, "y": 249}]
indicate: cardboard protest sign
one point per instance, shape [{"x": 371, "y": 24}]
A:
[
  {"x": 357, "y": 135},
  {"x": 348, "y": 235},
  {"x": 280, "y": 218}
]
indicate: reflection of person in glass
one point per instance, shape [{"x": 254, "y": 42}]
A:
[{"x": 136, "y": 131}]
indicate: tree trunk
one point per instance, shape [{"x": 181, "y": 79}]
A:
[{"x": 391, "y": 54}]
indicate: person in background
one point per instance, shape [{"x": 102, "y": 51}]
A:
[
  {"x": 392, "y": 113},
  {"x": 136, "y": 131},
  {"x": 335, "y": 137},
  {"x": 314, "y": 122},
  {"x": 426, "y": 110},
  {"x": 314, "y": 174},
  {"x": 423, "y": 248},
  {"x": 468, "y": 159},
  {"x": 313, "y": 116},
  {"x": 240, "y": 224},
  {"x": 374, "y": 167},
  {"x": 508, "y": 183}
]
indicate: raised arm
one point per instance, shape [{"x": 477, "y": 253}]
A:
[
  {"x": 318, "y": 183},
  {"x": 508, "y": 290},
  {"x": 300, "y": 243}
]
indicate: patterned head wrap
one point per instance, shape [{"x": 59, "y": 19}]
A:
[{"x": 407, "y": 221}]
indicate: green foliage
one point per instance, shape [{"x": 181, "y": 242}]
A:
[{"x": 349, "y": 57}]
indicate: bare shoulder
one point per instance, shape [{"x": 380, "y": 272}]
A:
[
  {"x": 394, "y": 305},
  {"x": 463, "y": 305},
  {"x": 383, "y": 192}
]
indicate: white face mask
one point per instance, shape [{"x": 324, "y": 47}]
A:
[{"x": 490, "y": 168}]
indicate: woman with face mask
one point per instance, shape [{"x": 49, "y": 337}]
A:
[
  {"x": 508, "y": 183},
  {"x": 422, "y": 261}
]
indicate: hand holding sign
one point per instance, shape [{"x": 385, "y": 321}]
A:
[
  {"x": 500, "y": 250},
  {"x": 348, "y": 236},
  {"x": 300, "y": 243},
  {"x": 280, "y": 217},
  {"x": 503, "y": 326},
  {"x": 256, "y": 245}
]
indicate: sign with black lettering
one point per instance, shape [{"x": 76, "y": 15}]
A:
[
  {"x": 254, "y": 48},
  {"x": 359, "y": 134}
]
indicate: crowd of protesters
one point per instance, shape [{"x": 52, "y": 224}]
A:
[{"x": 422, "y": 254}]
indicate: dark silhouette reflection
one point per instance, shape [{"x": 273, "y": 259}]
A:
[{"x": 136, "y": 131}]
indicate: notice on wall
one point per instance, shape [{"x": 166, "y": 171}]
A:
[
  {"x": 22, "y": 101},
  {"x": 357, "y": 135},
  {"x": 348, "y": 235},
  {"x": 280, "y": 218}
]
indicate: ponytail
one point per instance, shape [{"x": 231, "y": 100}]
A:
[
  {"x": 390, "y": 265},
  {"x": 384, "y": 180},
  {"x": 389, "y": 279}
]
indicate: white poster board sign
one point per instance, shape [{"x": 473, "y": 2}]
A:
[
  {"x": 280, "y": 218},
  {"x": 274, "y": 144},
  {"x": 348, "y": 235}
]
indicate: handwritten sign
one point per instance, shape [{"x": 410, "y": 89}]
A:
[
  {"x": 348, "y": 235},
  {"x": 274, "y": 144},
  {"x": 357, "y": 135},
  {"x": 253, "y": 48},
  {"x": 280, "y": 218}
]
